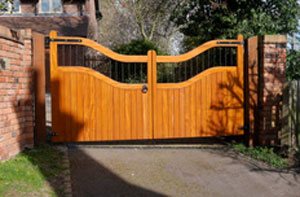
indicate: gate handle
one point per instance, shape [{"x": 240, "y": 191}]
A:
[{"x": 144, "y": 89}]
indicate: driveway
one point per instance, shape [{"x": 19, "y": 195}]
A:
[{"x": 174, "y": 171}]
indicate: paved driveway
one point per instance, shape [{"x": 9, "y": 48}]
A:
[{"x": 174, "y": 172}]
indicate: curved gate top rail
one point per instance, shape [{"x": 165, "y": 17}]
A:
[
  {"x": 62, "y": 40},
  {"x": 196, "y": 94}
]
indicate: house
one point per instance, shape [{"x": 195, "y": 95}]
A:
[{"x": 67, "y": 17}]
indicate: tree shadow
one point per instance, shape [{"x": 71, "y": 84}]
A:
[
  {"x": 90, "y": 178},
  {"x": 291, "y": 175}
]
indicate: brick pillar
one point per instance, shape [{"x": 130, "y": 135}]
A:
[
  {"x": 266, "y": 59},
  {"x": 16, "y": 95}
]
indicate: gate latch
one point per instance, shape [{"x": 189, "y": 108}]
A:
[{"x": 144, "y": 89}]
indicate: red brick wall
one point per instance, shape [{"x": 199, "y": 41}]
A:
[
  {"x": 272, "y": 79},
  {"x": 266, "y": 59},
  {"x": 16, "y": 96}
]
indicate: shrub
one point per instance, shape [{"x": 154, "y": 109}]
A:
[
  {"x": 293, "y": 65},
  {"x": 137, "y": 47}
]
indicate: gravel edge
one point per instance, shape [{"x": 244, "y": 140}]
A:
[{"x": 67, "y": 174}]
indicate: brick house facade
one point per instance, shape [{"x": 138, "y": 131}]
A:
[{"x": 67, "y": 17}]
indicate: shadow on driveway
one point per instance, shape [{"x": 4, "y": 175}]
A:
[{"x": 90, "y": 178}]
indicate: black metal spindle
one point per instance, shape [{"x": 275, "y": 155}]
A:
[
  {"x": 63, "y": 55},
  {"x": 225, "y": 57},
  {"x": 122, "y": 65},
  {"x": 203, "y": 62},
  {"x": 134, "y": 69},
  {"x": 70, "y": 56},
  {"x": 141, "y": 70},
  {"x": 197, "y": 65},
  {"x": 191, "y": 65},
  {"x": 185, "y": 71},
  {"x": 220, "y": 56},
  {"x": 173, "y": 72},
  {"x": 208, "y": 59},
  {"x": 231, "y": 56}
]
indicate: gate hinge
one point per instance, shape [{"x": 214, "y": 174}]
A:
[
  {"x": 52, "y": 134},
  {"x": 48, "y": 40},
  {"x": 245, "y": 128},
  {"x": 224, "y": 42}
]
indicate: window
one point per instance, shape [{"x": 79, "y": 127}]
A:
[
  {"x": 10, "y": 6},
  {"x": 50, "y": 6}
]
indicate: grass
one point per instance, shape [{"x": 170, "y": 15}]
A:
[
  {"x": 263, "y": 154},
  {"x": 32, "y": 172}
]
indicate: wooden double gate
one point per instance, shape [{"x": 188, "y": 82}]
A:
[{"x": 99, "y": 95}]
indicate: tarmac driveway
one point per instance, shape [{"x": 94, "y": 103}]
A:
[{"x": 174, "y": 172}]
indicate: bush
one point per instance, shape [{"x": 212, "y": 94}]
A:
[
  {"x": 293, "y": 65},
  {"x": 137, "y": 47}
]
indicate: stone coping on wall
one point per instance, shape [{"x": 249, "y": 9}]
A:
[
  {"x": 280, "y": 39},
  {"x": 15, "y": 35}
]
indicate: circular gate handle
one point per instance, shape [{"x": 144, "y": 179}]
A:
[{"x": 144, "y": 89}]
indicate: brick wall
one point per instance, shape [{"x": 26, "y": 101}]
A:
[
  {"x": 266, "y": 58},
  {"x": 272, "y": 79},
  {"x": 16, "y": 95}
]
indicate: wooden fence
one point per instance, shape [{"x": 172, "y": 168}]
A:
[{"x": 291, "y": 114}]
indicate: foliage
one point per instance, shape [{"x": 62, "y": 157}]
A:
[
  {"x": 203, "y": 20},
  {"x": 262, "y": 153},
  {"x": 293, "y": 65},
  {"x": 139, "y": 20},
  {"x": 28, "y": 171},
  {"x": 3, "y": 5},
  {"x": 137, "y": 47}
]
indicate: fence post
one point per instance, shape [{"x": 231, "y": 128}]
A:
[
  {"x": 251, "y": 90},
  {"x": 40, "y": 135}
]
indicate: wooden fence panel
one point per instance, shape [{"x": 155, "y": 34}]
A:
[{"x": 290, "y": 134}]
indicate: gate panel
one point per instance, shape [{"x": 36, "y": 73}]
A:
[
  {"x": 89, "y": 106},
  {"x": 198, "y": 94},
  {"x": 207, "y": 100}
]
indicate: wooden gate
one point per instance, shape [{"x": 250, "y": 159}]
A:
[{"x": 99, "y": 95}]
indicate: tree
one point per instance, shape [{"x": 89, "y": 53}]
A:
[
  {"x": 127, "y": 20},
  {"x": 203, "y": 20},
  {"x": 4, "y": 5}
]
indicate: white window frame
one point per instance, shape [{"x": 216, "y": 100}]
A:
[
  {"x": 50, "y": 8},
  {"x": 10, "y": 8}
]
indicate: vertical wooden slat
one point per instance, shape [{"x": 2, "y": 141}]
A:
[
  {"x": 170, "y": 112},
  {"x": 198, "y": 110},
  {"x": 39, "y": 87},
  {"x": 134, "y": 114},
  {"x": 110, "y": 99},
  {"x": 104, "y": 110},
  {"x": 140, "y": 123},
  {"x": 73, "y": 110},
  {"x": 181, "y": 113},
  {"x": 116, "y": 113},
  {"x": 187, "y": 107},
  {"x": 98, "y": 111},
  {"x": 127, "y": 114},
  {"x": 193, "y": 110},
  {"x": 122, "y": 115},
  {"x": 165, "y": 113},
  {"x": 67, "y": 105}
]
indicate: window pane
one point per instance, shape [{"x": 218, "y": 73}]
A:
[
  {"x": 16, "y": 6},
  {"x": 56, "y": 5},
  {"x": 45, "y": 5}
]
